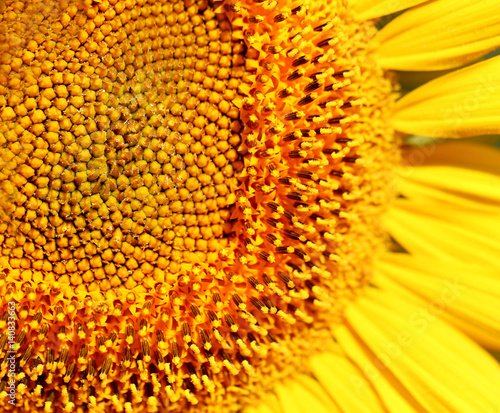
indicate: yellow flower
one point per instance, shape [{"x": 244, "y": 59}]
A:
[{"x": 211, "y": 206}]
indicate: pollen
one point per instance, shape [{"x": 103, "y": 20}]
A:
[{"x": 190, "y": 194}]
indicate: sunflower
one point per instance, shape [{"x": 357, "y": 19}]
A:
[{"x": 233, "y": 206}]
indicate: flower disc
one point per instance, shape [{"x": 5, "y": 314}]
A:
[{"x": 191, "y": 194}]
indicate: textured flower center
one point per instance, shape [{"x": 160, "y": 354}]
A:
[
  {"x": 126, "y": 128},
  {"x": 191, "y": 193}
]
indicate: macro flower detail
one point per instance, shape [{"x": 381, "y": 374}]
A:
[{"x": 210, "y": 206}]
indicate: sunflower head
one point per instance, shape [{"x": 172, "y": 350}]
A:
[{"x": 191, "y": 194}]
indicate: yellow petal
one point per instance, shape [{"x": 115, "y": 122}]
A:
[
  {"x": 370, "y": 9},
  {"x": 268, "y": 403},
  {"x": 394, "y": 395},
  {"x": 455, "y": 173},
  {"x": 303, "y": 394},
  {"x": 451, "y": 204},
  {"x": 260, "y": 408},
  {"x": 340, "y": 378},
  {"x": 287, "y": 399},
  {"x": 443, "y": 370},
  {"x": 460, "y": 104},
  {"x": 462, "y": 154},
  {"x": 449, "y": 233},
  {"x": 440, "y": 35},
  {"x": 445, "y": 185},
  {"x": 465, "y": 294},
  {"x": 313, "y": 387}
]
